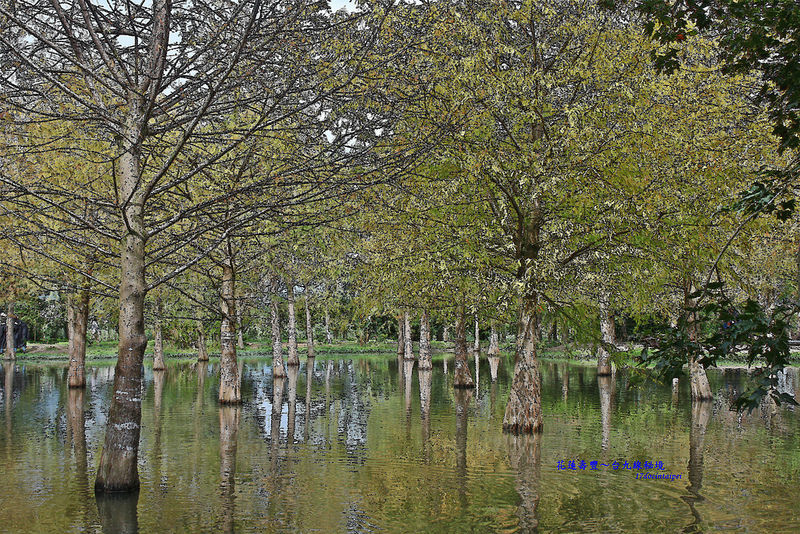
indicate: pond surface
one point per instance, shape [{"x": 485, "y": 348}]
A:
[{"x": 349, "y": 445}]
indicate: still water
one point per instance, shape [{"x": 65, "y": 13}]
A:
[{"x": 348, "y": 444}]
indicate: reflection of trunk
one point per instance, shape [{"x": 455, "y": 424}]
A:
[
  {"x": 444, "y": 363},
  {"x": 117, "y": 512},
  {"x": 202, "y": 369},
  {"x": 408, "y": 369},
  {"x": 278, "y": 385},
  {"x": 10, "y": 352},
  {"x": 477, "y": 346},
  {"x": 309, "y": 381},
  {"x": 524, "y": 454},
  {"x": 608, "y": 337},
  {"x": 408, "y": 347},
  {"x": 118, "y": 466},
  {"x": 494, "y": 344},
  {"x": 278, "y": 369},
  {"x": 158, "y": 340},
  {"x": 425, "y": 378},
  {"x": 293, "y": 358},
  {"x": 463, "y": 398},
  {"x": 202, "y": 350},
  {"x": 158, "y": 394},
  {"x": 701, "y": 389},
  {"x": 565, "y": 383},
  {"x": 309, "y": 330},
  {"x": 292, "y": 373},
  {"x": 524, "y": 410},
  {"x": 606, "y": 388},
  {"x": 401, "y": 338},
  {"x": 328, "y": 336},
  {"x": 229, "y": 379},
  {"x": 8, "y": 393},
  {"x": 701, "y": 413},
  {"x": 228, "y": 430},
  {"x": 425, "y": 342},
  {"x": 239, "y": 329},
  {"x": 494, "y": 364},
  {"x": 477, "y": 371},
  {"x": 462, "y": 377},
  {"x": 77, "y": 429},
  {"x": 77, "y": 321}
]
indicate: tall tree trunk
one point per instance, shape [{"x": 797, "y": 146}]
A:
[
  {"x": 158, "y": 340},
  {"x": 608, "y": 335},
  {"x": 278, "y": 369},
  {"x": 701, "y": 389},
  {"x": 229, "y": 379},
  {"x": 408, "y": 347},
  {"x": 524, "y": 408},
  {"x": 239, "y": 329},
  {"x": 309, "y": 330},
  {"x": 477, "y": 346},
  {"x": 494, "y": 343},
  {"x": 77, "y": 321},
  {"x": 293, "y": 359},
  {"x": 462, "y": 377},
  {"x": 425, "y": 361},
  {"x": 401, "y": 337},
  {"x": 10, "y": 352},
  {"x": 202, "y": 350},
  {"x": 328, "y": 335},
  {"x": 118, "y": 467}
]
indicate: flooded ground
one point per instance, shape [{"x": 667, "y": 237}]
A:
[{"x": 350, "y": 444}]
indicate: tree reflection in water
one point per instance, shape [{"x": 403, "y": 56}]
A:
[
  {"x": 524, "y": 455},
  {"x": 606, "y": 386},
  {"x": 463, "y": 398},
  {"x": 425, "y": 378},
  {"x": 228, "y": 430},
  {"x": 701, "y": 413},
  {"x": 293, "y": 371},
  {"x": 117, "y": 512}
]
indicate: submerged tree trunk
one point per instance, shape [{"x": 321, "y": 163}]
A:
[
  {"x": 158, "y": 340},
  {"x": 118, "y": 466},
  {"x": 278, "y": 369},
  {"x": 408, "y": 347},
  {"x": 328, "y": 335},
  {"x": 293, "y": 359},
  {"x": 524, "y": 409},
  {"x": 202, "y": 350},
  {"x": 477, "y": 346},
  {"x": 462, "y": 377},
  {"x": 10, "y": 352},
  {"x": 77, "y": 322},
  {"x": 425, "y": 361},
  {"x": 229, "y": 379},
  {"x": 608, "y": 335},
  {"x": 494, "y": 344},
  {"x": 309, "y": 330}
]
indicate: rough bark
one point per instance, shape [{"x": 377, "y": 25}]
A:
[
  {"x": 10, "y": 349},
  {"x": 446, "y": 333},
  {"x": 425, "y": 361},
  {"x": 239, "y": 330},
  {"x": 524, "y": 409},
  {"x": 477, "y": 346},
  {"x": 118, "y": 467},
  {"x": 229, "y": 379},
  {"x": 328, "y": 335},
  {"x": 158, "y": 340},
  {"x": 309, "y": 330},
  {"x": 401, "y": 338},
  {"x": 202, "y": 350},
  {"x": 77, "y": 322},
  {"x": 408, "y": 347},
  {"x": 462, "y": 377},
  {"x": 494, "y": 343},
  {"x": 608, "y": 335},
  {"x": 278, "y": 368},
  {"x": 293, "y": 359},
  {"x": 701, "y": 389}
]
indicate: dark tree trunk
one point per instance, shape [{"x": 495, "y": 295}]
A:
[
  {"x": 77, "y": 321},
  {"x": 294, "y": 359},
  {"x": 229, "y": 379},
  {"x": 425, "y": 361},
  {"x": 278, "y": 369},
  {"x": 158, "y": 340},
  {"x": 202, "y": 350},
  {"x": 524, "y": 409},
  {"x": 462, "y": 377},
  {"x": 309, "y": 330},
  {"x": 701, "y": 389}
]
